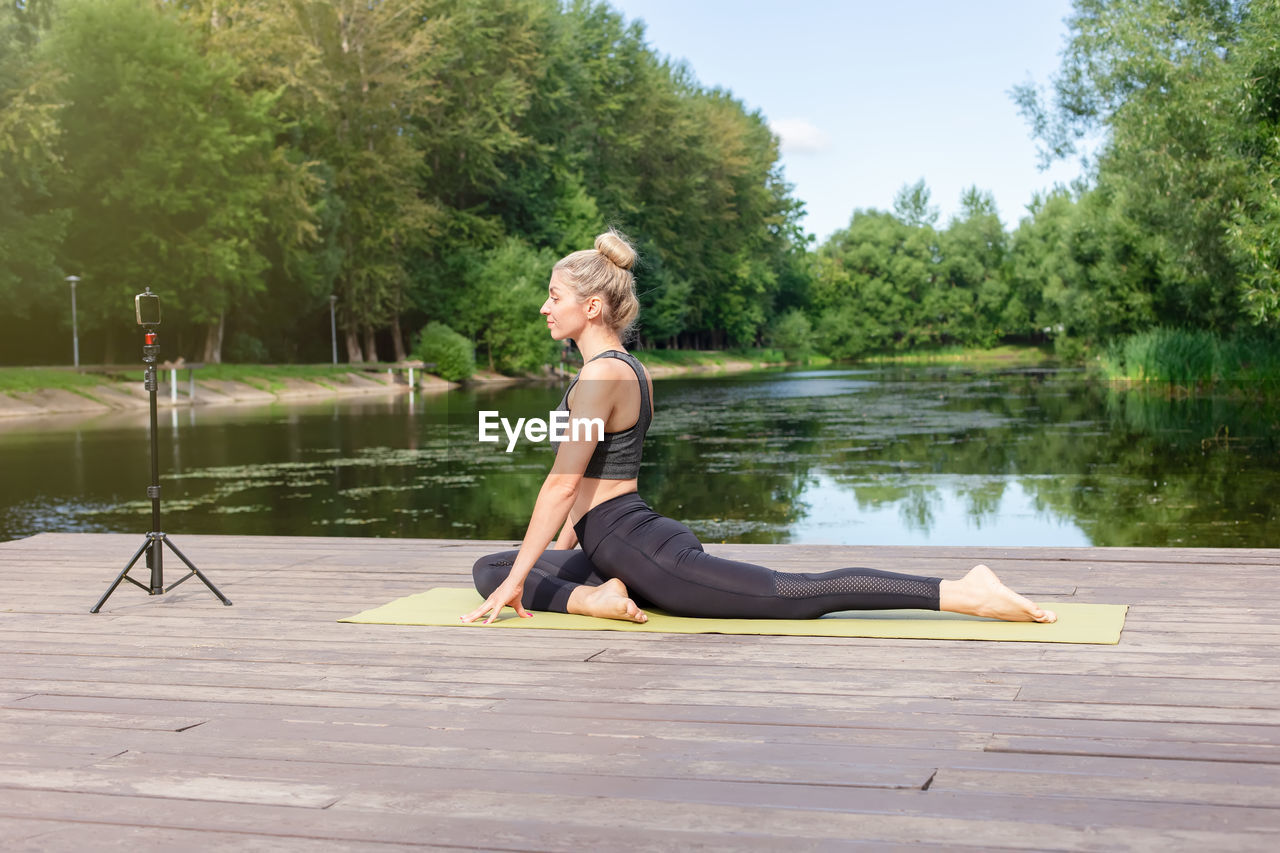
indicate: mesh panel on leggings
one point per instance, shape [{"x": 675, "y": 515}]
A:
[{"x": 799, "y": 586}]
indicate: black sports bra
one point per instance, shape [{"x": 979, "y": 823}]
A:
[{"x": 617, "y": 455}]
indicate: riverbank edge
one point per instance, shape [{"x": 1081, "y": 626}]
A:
[
  {"x": 101, "y": 390},
  {"x": 108, "y": 394},
  {"x": 111, "y": 394}
]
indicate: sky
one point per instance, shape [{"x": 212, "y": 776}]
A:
[{"x": 869, "y": 96}]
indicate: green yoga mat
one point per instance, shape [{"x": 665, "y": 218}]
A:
[{"x": 1077, "y": 623}]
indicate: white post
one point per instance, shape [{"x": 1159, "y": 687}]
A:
[
  {"x": 333, "y": 325},
  {"x": 75, "y": 332},
  {"x": 173, "y": 385},
  {"x": 411, "y": 377}
]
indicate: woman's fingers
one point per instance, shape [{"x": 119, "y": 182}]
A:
[
  {"x": 482, "y": 610},
  {"x": 495, "y": 603}
]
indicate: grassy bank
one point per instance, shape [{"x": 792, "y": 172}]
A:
[
  {"x": 1192, "y": 361},
  {"x": 271, "y": 377},
  {"x": 265, "y": 377},
  {"x": 709, "y": 358},
  {"x": 16, "y": 380},
  {"x": 1008, "y": 355}
]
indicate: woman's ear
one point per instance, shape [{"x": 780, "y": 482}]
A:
[{"x": 595, "y": 305}]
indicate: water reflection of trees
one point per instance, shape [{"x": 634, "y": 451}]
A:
[
  {"x": 736, "y": 460},
  {"x": 731, "y": 466},
  {"x": 1126, "y": 468}
]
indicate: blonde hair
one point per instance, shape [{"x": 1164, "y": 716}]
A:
[{"x": 606, "y": 271}]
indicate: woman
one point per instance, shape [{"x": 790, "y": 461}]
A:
[{"x": 632, "y": 557}]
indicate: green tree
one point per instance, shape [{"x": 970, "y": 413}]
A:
[
  {"x": 870, "y": 284},
  {"x": 1254, "y": 232},
  {"x": 1167, "y": 84},
  {"x": 687, "y": 171},
  {"x": 911, "y": 205},
  {"x": 1041, "y": 270},
  {"x": 502, "y": 290},
  {"x": 32, "y": 224},
  {"x": 169, "y": 164},
  {"x": 354, "y": 80},
  {"x": 971, "y": 297},
  {"x": 793, "y": 334}
]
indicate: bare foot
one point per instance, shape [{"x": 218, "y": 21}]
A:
[
  {"x": 609, "y": 600},
  {"x": 980, "y": 593}
]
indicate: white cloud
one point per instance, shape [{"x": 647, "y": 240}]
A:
[{"x": 800, "y": 136}]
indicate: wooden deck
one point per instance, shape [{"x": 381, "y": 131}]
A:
[{"x": 173, "y": 722}]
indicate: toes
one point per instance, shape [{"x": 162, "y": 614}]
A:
[{"x": 1039, "y": 614}]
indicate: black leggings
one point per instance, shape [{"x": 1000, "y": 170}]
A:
[{"x": 663, "y": 565}]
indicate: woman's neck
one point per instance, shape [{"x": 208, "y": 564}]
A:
[{"x": 595, "y": 341}]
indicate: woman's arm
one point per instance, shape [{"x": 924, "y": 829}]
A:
[
  {"x": 555, "y": 498},
  {"x": 568, "y": 539}
]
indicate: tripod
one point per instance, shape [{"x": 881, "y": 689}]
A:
[{"x": 153, "y": 546}]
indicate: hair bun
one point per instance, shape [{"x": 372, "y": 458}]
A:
[{"x": 617, "y": 248}]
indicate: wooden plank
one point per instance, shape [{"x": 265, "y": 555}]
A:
[
  {"x": 36, "y": 755},
  {"x": 742, "y": 711},
  {"x": 944, "y": 726},
  {"x": 419, "y": 719},
  {"x": 34, "y": 717},
  {"x": 647, "y": 706},
  {"x": 1134, "y": 689},
  {"x": 69, "y": 836},
  {"x": 865, "y": 806},
  {"x": 778, "y": 691},
  {"x": 736, "y": 660},
  {"x": 1141, "y": 789},
  {"x": 1134, "y": 748},
  {"x": 331, "y": 827},
  {"x": 456, "y": 815},
  {"x": 600, "y": 757},
  {"x": 1071, "y": 776},
  {"x": 173, "y": 785}
]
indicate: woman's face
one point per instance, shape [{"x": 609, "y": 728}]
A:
[{"x": 566, "y": 316}]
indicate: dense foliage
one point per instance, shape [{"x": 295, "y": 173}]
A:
[
  {"x": 1176, "y": 223},
  {"x": 1180, "y": 221},
  {"x": 428, "y": 160},
  {"x": 421, "y": 160}
]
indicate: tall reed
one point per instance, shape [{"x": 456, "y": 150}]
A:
[{"x": 1195, "y": 358}]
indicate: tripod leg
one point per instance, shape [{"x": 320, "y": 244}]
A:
[
  {"x": 196, "y": 572},
  {"x": 121, "y": 576}
]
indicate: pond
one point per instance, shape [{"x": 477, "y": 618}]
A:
[{"x": 886, "y": 456}]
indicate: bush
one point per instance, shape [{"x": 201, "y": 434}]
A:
[
  {"x": 244, "y": 348},
  {"x": 842, "y": 333},
  {"x": 450, "y": 352},
  {"x": 507, "y": 286},
  {"x": 793, "y": 334},
  {"x": 1069, "y": 350}
]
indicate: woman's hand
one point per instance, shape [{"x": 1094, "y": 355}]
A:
[{"x": 508, "y": 593}]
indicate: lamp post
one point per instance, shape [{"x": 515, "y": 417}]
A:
[
  {"x": 333, "y": 324},
  {"x": 75, "y": 333}
]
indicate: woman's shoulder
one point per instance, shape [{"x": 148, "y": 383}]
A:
[
  {"x": 618, "y": 373},
  {"x": 612, "y": 367}
]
